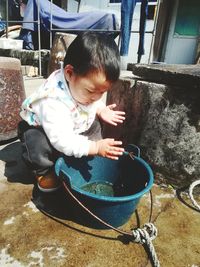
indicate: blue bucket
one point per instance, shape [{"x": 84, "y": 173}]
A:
[{"x": 111, "y": 189}]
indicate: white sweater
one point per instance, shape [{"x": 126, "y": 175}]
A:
[{"x": 62, "y": 118}]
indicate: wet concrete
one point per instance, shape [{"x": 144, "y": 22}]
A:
[{"x": 38, "y": 229}]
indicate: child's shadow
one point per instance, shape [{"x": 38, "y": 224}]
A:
[{"x": 15, "y": 169}]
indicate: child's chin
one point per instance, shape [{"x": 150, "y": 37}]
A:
[{"x": 85, "y": 103}]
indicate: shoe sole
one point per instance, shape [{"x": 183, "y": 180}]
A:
[{"x": 49, "y": 190}]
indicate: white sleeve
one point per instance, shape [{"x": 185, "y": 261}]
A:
[{"x": 56, "y": 121}]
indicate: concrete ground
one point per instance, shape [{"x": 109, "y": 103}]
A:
[{"x": 37, "y": 229}]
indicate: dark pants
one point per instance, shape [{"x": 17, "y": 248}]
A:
[{"x": 37, "y": 151}]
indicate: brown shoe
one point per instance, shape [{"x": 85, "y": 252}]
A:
[{"x": 49, "y": 182}]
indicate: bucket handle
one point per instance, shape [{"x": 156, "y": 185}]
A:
[{"x": 133, "y": 149}]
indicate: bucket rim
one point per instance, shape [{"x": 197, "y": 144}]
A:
[{"x": 121, "y": 198}]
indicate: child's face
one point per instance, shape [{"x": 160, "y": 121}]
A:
[{"x": 86, "y": 89}]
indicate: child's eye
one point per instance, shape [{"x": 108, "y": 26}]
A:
[{"x": 89, "y": 92}]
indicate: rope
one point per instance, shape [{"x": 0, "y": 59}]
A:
[
  {"x": 191, "y": 188},
  {"x": 143, "y": 236}
]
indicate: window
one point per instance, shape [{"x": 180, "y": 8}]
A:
[
  {"x": 151, "y": 12},
  {"x": 188, "y": 20}
]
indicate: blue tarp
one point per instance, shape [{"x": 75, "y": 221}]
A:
[
  {"x": 66, "y": 20},
  {"x": 63, "y": 21}
]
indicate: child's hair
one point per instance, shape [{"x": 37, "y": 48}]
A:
[{"x": 91, "y": 52}]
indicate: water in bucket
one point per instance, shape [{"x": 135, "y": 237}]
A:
[
  {"x": 107, "y": 189},
  {"x": 99, "y": 188}
]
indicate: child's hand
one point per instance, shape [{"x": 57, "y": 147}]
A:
[
  {"x": 111, "y": 116},
  {"x": 108, "y": 148}
]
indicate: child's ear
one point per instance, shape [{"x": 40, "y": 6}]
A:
[{"x": 68, "y": 71}]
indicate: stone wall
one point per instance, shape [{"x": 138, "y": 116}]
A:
[
  {"x": 29, "y": 57},
  {"x": 163, "y": 119}
]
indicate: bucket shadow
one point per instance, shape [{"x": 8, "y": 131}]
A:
[
  {"x": 15, "y": 169},
  {"x": 54, "y": 203},
  {"x": 56, "y": 206},
  {"x": 60, "y": 205}
]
